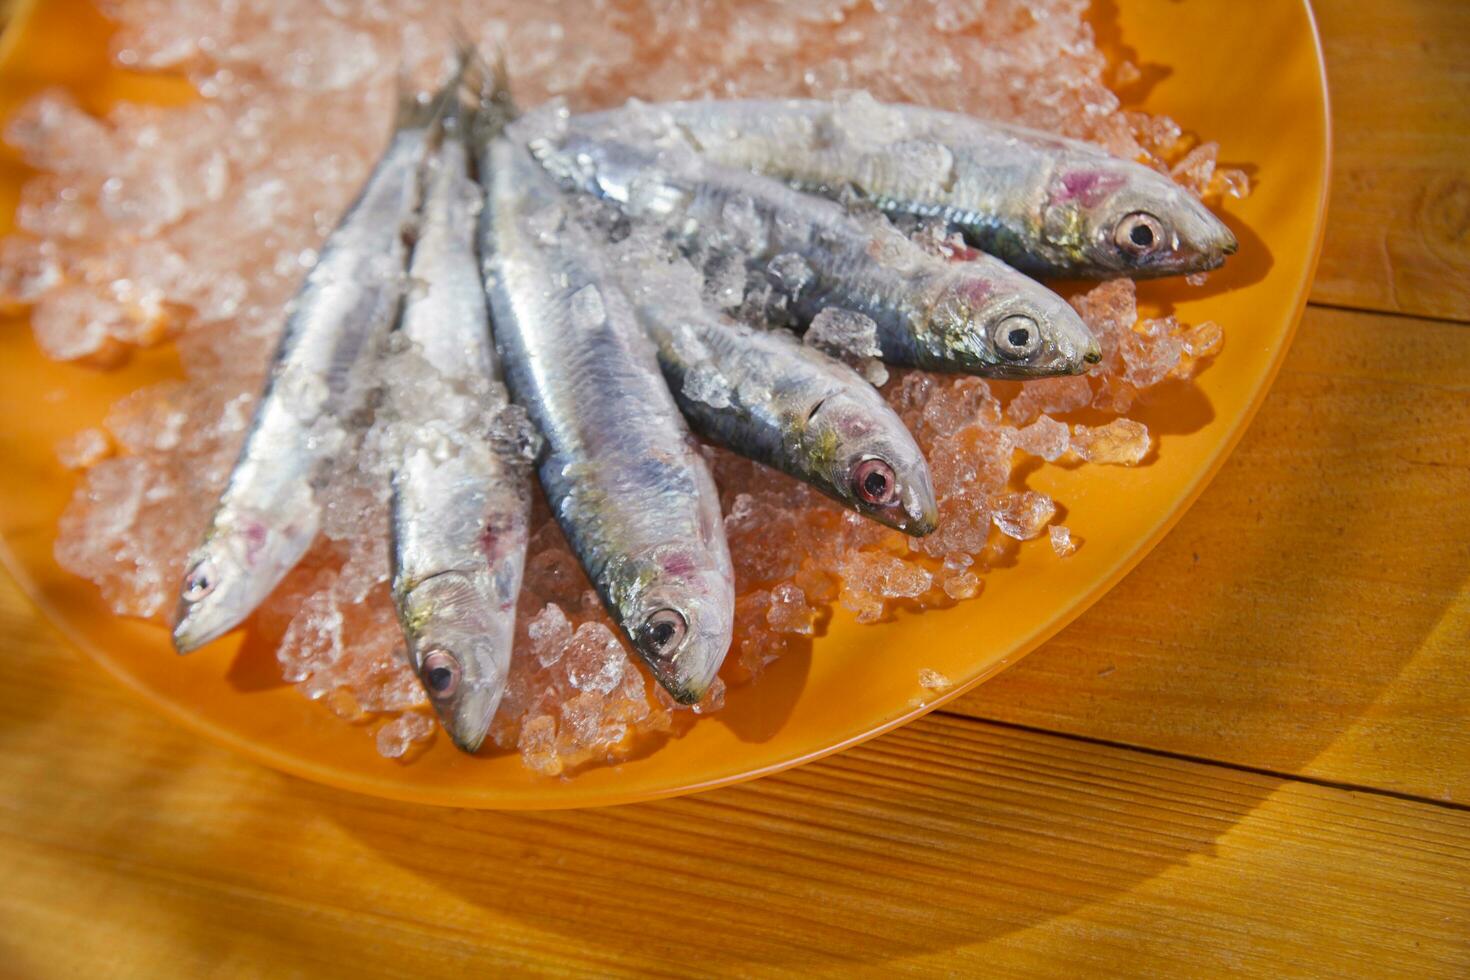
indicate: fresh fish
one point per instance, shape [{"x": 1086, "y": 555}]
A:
[
  {"x": 767, "y": 397},
  {"x": 1047, "y": 205},
  {"x": 621, "y": 471},
  {"x": 980, "y": 316},
  {"x": 461, "y": 503},
  {"x": 268, "y": 514}
]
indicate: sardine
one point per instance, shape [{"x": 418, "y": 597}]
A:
[
  {"x": 764, "y": 395},
  {"x": 979, "y": 316},
  {"x": 1048, "y": 205},
  {"x": 269, "y": 514},
  {"x": 621, "y": 472},
  {"x": 461, "y": 504}
]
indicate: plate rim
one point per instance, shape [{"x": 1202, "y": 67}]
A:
[{"x": 343, "y": 779}]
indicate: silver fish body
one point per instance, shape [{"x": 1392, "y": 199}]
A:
[
  {"x": 268, "y": 514},
  {"x": 766, "y": 396},
  {"x": 621, "y": 472},
  {"x": 980, "y": 316},
  {"x": 1048, "y": 205},
  {"x": 461, "y": 504}
]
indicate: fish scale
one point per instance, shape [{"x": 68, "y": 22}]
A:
[
  {"x": 621, "y": 472},
  {"x": 461, "y": 506},
  {"x": 789, "y": 407},
  {"x": 1048, "y": 205},
  {"x": 931, "y": 313},
  {"x": 268, "y": 514}
]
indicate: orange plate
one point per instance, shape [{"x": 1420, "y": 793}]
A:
[{"x": 1255, "y": 83}]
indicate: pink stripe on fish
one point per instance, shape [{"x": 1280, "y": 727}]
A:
[{"x": 1087, "y": 187}]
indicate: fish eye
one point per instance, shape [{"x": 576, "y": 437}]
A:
[
  {"x": 663, "y": 631},
  {"x": 875, "y": 483},
  {"x": 200, "y": 581},
  {"x": 1139, "y": 233},
  {"x": 441, "y": 674},
  {"x": 1017, "y": 337}
]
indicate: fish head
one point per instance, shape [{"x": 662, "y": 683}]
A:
[
  {"x": 1115, "y": 217},
  {"x": 232, "y": 572},
  {"x": 681, "y": 621},
  {"x": 994, "y": 321},
  {"x": 459, "y": 646},
  {"x": 874, "y": 464}
]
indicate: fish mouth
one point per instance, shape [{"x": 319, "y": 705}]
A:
[
  {"x": 688, "y": 693},
  {"x": 901, "y": 519},
  {"x": 918, "y": 518},
  {"x": 687, "y": 673},
  {"x": 1020, "y": 372},
  {"x": 924, "y": 524},
  {"x": 188, "y": 636},
  {"x": 684, "y": 689},
  {"x": 465, "y": 738},
  {"x": 465, "y": 712}
]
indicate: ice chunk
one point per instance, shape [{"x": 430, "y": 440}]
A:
[
  {"x": 706, "y": 384},
  {"x": 28, "y": 270},
  {"x": 1203, "y": 340},
  {"x": 927, "y": 163},
  {"x": 1230, "y": 182},
  {"x": 399, "y": 735},
  {"x": 77, "y": 324},
  {"x": 1196, "y": 167},
  {"x": 789, "y": 611},
  {"x": 537, "y": 744},
  {"x": 1062, "y": 541},
  {"x": 869, "y": 578},
  {"x": 962, "y": 403},
  {"x": 962, "y": 585},
  {"x": 594, "y": 660},
  {"x": 933, "y": 680},
  {"x": 1121, "y": 442},
  {"x": 792, "y": 273},
  {"x": 84, "y": 449},
  {"x": 743, "y": 225},
  {"x": 1151, "y": 351},
  {"x": 513, "y": 433},
  {"x": 313, "y": 640},
  {"x": 1046, "y": 437},
  {"x": 1023, "y": 515},
  {"x": 846, "y": 335},
  {"x": 549, "y": 633},
  {"x": 863, "y": 121},
  {"x": 1051, "y": 395},
  {"x": 724, "y": 284}
]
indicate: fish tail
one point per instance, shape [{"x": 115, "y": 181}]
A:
[
  {"x": 488, "y": 83},
  {"x": 416, "y": 109}
]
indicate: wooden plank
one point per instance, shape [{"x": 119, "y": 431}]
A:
[
  {"x": 128, "y": 846},
  {"x": 1398, "y": 229},
  {"x": 1311, "y": 613}
]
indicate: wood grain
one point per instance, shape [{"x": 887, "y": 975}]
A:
[
  {"x": 1326, "y": 571},
  {"x": 1398, "y": 228},
  {"x": 951, "y": 846},
  {"x": 1333, "y": 559}
]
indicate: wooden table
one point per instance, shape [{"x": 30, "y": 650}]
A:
[{"x": 1272, "y": 777}]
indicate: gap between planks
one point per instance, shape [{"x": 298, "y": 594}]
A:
[
  {"x": 1207, "y": 761},
  {"x": 1396, "y": 314}
]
